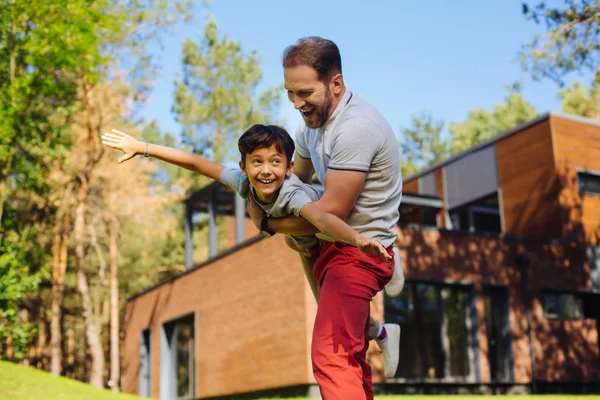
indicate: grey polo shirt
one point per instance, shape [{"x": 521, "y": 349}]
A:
[
  {"x": 293, "y": 195},
  {"x": 357, "y": 138}
]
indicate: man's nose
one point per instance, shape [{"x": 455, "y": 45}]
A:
[{"x": 298, "y": 103}]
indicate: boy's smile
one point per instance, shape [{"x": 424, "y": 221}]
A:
[{"x": 266, "y": 169}]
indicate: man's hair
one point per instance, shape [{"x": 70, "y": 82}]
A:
[
  {"x": 264, "y": 136},
  {"x": 320, "y": 54}
]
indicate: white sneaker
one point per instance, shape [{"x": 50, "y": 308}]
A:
[
  {"x": 396, "y": 284},
  {"x": 390, "y": 349}
]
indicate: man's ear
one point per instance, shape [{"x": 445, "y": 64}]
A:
[
  {"x": 336, "y": 85},
  {"x": 243, "y": 168},
  {"x": 290, "y": 167}
]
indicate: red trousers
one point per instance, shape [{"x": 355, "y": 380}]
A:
[{"x": 347, "y": 280}]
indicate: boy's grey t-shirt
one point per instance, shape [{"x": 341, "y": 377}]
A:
[{"x": 294, "y": 195}]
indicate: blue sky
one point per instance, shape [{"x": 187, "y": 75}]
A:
[{"x": 404, "y": 57}]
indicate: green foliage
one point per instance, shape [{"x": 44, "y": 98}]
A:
[
  {"x": 579, "y": 100},
  {"x": 17, "y": 280},
  {"x": 216, "y": 100},
  {"x": 571, "y": 43},
  {"x": 40, "y": 64},
  {"x": 422, "y": 144},
  {"x": 482, "y": 124}
]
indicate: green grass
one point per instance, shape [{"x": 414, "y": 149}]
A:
[
  {"x": 474, "y": 397},
  {"x": 21, "y": 383}
]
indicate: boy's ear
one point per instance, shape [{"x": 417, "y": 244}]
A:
[
  {"x": 290, "y": 167},
  {"x": 243, "y": 168}
]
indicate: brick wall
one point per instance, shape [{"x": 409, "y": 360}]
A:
[{"x": 251, "y": 322}]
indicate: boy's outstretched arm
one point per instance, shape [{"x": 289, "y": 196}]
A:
[
  {"x": 333, "y": 226},
  {"x": 132, "y": 147}
]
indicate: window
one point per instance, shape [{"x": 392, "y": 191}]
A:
[
  {"x": 482, "y": 215},
  {"x": 144, "y": 370},
  {"x": 436, "y": 335},
  {"x": 178, "y": 359},
  {"x": 562, "y": 305},
  {"x": 589, "y": 183},
  {"x": 497, "y": 326}
]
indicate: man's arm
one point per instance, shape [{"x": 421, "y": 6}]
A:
[
  {"x": 303, "y": 168},
  {"x": 341, "y": 190}
]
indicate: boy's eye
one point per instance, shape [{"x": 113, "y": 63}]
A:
[
  {"x": 255, "y": 161},
  {"x": 276, "y": 161}
]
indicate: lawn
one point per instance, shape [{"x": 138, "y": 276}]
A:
[{"x": 22, "y": 383}]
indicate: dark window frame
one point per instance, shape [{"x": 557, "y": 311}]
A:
[
  {"x": 442, "y": 288},
  {"x": 544, "y": 298},
  {"x": 582, "y": 177}
]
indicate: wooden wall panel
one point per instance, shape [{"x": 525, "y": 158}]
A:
[
  {"x": 529, "y": 183},
  {"x": 439, "y": 187},
  {"x": 411, "y": 186},
  {"x": 577, "y": 147}
]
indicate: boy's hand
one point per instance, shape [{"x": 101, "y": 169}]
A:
[
  {"x": 373, "y": 248},
  {"x": 122, "y": 141}
]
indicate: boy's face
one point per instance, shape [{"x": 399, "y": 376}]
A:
[{"x": 266, "y": 169}]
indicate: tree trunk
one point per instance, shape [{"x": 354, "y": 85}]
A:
[
  {"x": 114, "y": 308},
  {"x": 12, "y": 77},
  {"x": 59, "y": 269},
  {"x": 91, "y": 330}
]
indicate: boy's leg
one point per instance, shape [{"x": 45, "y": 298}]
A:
[
  {"x": 396, "y": 284},
  {"x": 308, "y": 263},
  {"x": 387, "y": 337},
  {"x": 347, "y": 281}
]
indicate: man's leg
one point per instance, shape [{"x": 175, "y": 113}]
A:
[
  {"x": 387, "y": 336},
  {"x": 347, "y": 282}
]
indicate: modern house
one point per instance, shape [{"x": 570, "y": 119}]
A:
[{"x": 500, "y": 246}]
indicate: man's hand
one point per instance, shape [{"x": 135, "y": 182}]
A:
[
  {"x": 122, "y": 141},
  {"x": 373, "y": 248},
  {"x": 256, "y": 213}
]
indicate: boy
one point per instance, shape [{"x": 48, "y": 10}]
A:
[{"x": 265, "y": 177}]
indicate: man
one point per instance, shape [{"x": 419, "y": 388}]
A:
[{"x": 354, "y": 153}]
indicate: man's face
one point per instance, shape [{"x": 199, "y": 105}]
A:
[
  {"x": 266, "y": 169},
  {"x": 310, "y": 96}
]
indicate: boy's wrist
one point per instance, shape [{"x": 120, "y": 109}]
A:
[{"x": 140, "y": 147}]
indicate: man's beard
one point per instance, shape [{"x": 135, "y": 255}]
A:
[{"x": 321, "y": 113}]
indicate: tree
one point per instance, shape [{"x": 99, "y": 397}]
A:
[
  {"x": 216, "y": 99},
  {"x": 571, "y": 43},
  {"x": 482, "y": 124},
  {"x": 39, "y": 69},
  {"x": 422, "y": 144},
  {"x": 39, "y": 73},
  {"x": 582, "y": 101}
]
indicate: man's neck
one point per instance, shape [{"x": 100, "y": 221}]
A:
[{"x": 336, "y": 102}]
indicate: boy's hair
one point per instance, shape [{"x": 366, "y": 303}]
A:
[
  {"x": 263, "y": 136},
  {"x": 320, "y": 54}
]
